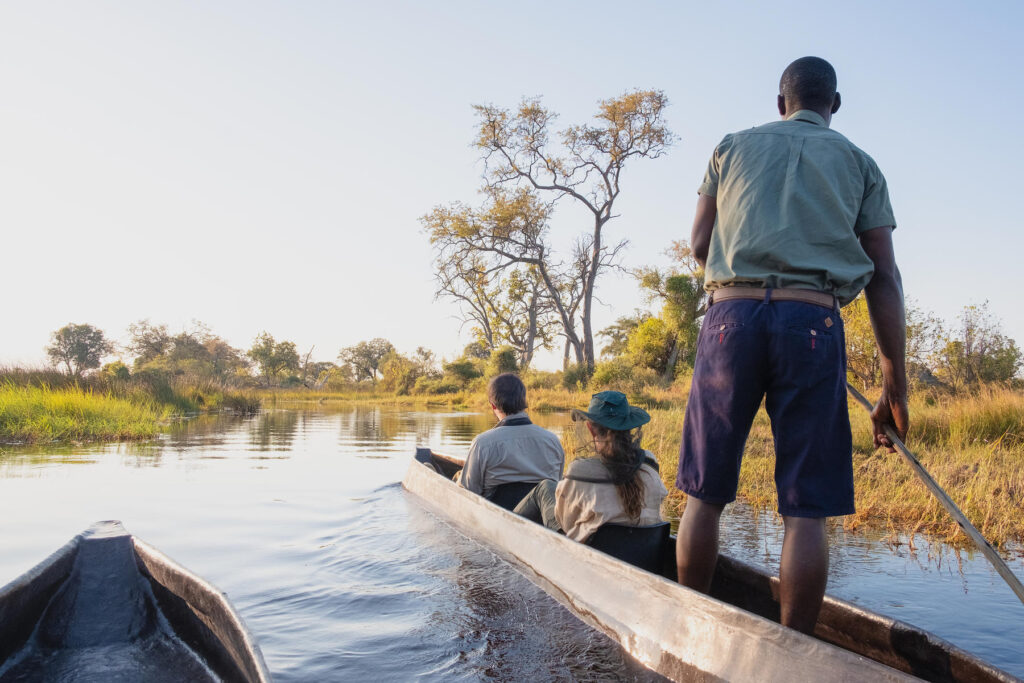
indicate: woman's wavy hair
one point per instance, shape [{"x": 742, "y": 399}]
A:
[{"x": 623, "y": 462}]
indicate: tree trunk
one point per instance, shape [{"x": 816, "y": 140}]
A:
[{"x": 673, "y": 356}]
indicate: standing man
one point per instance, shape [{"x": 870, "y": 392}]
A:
[
  {"x": 792, "y": 222},
  {"x": 516, "y": 450}
]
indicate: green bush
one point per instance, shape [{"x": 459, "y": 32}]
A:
[
  {"x": 621, "y": 375},
  {"x": 116, "y": 371},
  {"x": 503, "y": 359},
  {"x": 576, "y": 377},
  {"x": 443, "y": 385},
  {"x": 541, "y": 379},
  {"x": 462, "y": 371}
]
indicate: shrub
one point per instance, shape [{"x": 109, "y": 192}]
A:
[
  {"x": 444, "y": 385},
  {"x": 541, "y": 379},
  {"x": 503, "y": 359},
  {"x": 575, "y": 377},
  {"x": 621, "y": 375},
  {"x": 462, "y": 370},
  {"x": 116, "y": 371}
]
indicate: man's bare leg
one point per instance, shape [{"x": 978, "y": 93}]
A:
[
  {"x": 697, "y": 544},
  {"x": 804, "y": 572}
]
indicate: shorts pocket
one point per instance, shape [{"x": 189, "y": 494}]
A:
[
  {"x": 810, "y": 355},
  {"x": 719, "y": 332}
]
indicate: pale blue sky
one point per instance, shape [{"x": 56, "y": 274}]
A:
[{"x": 262, "y": 166}]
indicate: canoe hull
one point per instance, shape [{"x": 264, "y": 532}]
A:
[
  {"x": 678, "y": 632},
  {"x": 107, "y": 603}
]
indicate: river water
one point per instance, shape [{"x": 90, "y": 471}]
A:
[{"x": 299, "y": 516}]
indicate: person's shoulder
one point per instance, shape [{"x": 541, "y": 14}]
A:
[
  {"x": 586, "y": 467},
  {"x": 485, "y": 438},
  {"x": 542, "y": 432}
]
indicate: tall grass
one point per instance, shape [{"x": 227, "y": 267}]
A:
[
  {"x": 972, "y": 446},
  {"x": 39, "y": 404},
  {"x": 42, "y": 414}
]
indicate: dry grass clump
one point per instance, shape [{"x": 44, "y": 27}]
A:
[{"x": 971, "y": 445}]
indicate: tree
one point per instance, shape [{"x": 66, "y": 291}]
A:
[
  {"x": 587, "y": 168},
  {"x": 650, "y": 345},
  {"x": 618, "y": 333},
  {"x": 977, "y": 351},
  {"x": 503, "y": 359},
  {"x": 365, "y": 357},
  {"x": 512, "y": 308},
  {"x": 476, "y": 247},
  {"x": 148, "y": 341},
  {"x": 78, "y": 347},
  {"x": 272, "y": 357},
  {"x": 862, "y": 360},
  {"x": 681, "y": 289}
]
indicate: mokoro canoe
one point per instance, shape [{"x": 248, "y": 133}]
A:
[
  {"x": 733, "y": 634},
  {"x": 108, "y": 607}
]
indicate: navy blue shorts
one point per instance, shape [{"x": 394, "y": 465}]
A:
[{"x": 793, "y": 354}]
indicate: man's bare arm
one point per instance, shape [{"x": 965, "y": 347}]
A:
[
  {"x": 884, "y": 296},
  {"x": 703, "y": 224}
]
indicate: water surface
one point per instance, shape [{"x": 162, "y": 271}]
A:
[{"x": 298, "y": 515}]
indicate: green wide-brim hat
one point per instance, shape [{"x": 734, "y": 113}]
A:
[{"x": 611, "y": 409}]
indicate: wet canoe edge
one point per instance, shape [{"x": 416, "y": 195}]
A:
[
  {"x": 685, "y": 635},
  {"x": 195, "y": 612}
]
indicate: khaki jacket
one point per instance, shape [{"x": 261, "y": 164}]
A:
[{"x": 581, "y": 507}]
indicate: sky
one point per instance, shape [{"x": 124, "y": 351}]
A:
[{"x": 262, "y": 166}]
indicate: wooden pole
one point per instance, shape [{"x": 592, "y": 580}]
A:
[{"x": 983, "y": 545}]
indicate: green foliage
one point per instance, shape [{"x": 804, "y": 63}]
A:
[
  {"x": 540, "y": 379},
  {"x": 364, "y": 358},
  {"x": 441, "y": 385},
  {"x": 462, "y": 371},
  {"x": 194, "y": 353},
  {"x": 621, "y": 374},
  {"x": 78, "y": 348},
  {"x": 148, "y": 341},
  {"x": 476, "y": 349},
  {"x": 503, "y": 359},
  {"x": 117, "y": 371},
  {"x": 401, "y": 374},
  {"x": 864, "y": 365},
  {"x": 575, "y": 377},
  {"x": 977, "y": 352},
  {"x": 41, "y": 414},
  {"x": 274, "y": 358},
  {"x": 618, "y": 333},
  {"x": 650, "y": 345}
]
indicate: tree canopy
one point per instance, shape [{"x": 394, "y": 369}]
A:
[{"x": 78, "y": 348}]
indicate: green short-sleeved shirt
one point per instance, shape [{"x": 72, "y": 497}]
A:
[{"x": 793, "y": 198}]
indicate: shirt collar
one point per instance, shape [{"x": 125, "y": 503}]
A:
[{"x": 808, "y": 116}]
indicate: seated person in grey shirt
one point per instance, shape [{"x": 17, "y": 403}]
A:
[{"x": 515, "y": 450}]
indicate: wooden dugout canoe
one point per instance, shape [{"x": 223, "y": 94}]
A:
[
  {"x": 108, "y": 607},
  {"x": 732, "y": 635}
]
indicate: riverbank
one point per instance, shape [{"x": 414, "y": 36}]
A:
[
  {"x": 39, "y": 407},
  {"x": 972, "y": 445}
]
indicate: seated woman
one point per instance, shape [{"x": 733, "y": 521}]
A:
[{"x": 620, "y": 485}]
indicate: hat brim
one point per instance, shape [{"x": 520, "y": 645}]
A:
[{"x": 636, "y": 418}]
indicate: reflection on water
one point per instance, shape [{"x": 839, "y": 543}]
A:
[{"x": 298, "y": 516}]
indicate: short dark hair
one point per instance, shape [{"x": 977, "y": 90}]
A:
[
  {"x": 507, "y": 392},
  {"x": 809, "y": 82}
]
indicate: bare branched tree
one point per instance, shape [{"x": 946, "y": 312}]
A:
[
  {"x": 518, "y": 152},
  {"x": 475, "y": 247}
]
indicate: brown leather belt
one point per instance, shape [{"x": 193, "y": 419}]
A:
[{"x": 809, "y": 296}]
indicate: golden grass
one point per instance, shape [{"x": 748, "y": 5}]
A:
[{"x": 971, "y": 445}]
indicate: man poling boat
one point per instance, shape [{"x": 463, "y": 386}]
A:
[{"x": 793, "y": 221}]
